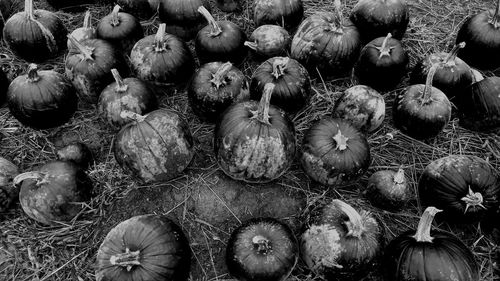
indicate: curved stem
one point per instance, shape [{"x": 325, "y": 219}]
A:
[
  {"x": 121, "y": 87},
  {"x": 473, "y": 199},
  {"x": 160, "y": 38},
  {"x": 219, "y": 76},
  {"x": 38, "y": 176},
  {"x": 340, "y": 140},
  {"x": 450, "y": 59},
  {"x": 495, "y": 21},
  {"x": 384, "y": 49},
  {"x": 424, "y": 225},
  {"x": 263, "y": 110},
  {"x": 85, "y": 51},
  {"x": 87, "y": 20},
  {"x": 28, "y": 9},
  {"x": 355, "y": 227},
  {"x": 127, "y": 259},
  {"x": 279, "y": 66},
  {"x": 399, "y": 177},
  {"x": 33, "y": 73},
  {"x": 261, "y": 244},
  {"x": 251, "y": 45},
  {"x": 115, "y": 19},
  {"x": 216, "y": 30},
  {"x": 426, "y": 97},
  {"x": 126, "y": 114}
]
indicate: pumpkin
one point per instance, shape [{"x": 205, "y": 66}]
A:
[
  {"x": 481, "y": 34},
  {"x": 422, "y": 111},
  {"x": 269, "y": 41},
  {"x": 452, "y": 76},
  {"x": 255, "y": 141},
  {"x": 76, "y": 152},
  {"x": 71, "y": 4},
  {"x": 326, "y": 44},
  {"x": 42, "y": 99},
  {"x": 388, "y": 189},
  {"x": 382, "y": 63},
  {"x": 479, "y": 105},
  {"x": 8, "y": 193},
  {"x": 362, "y": 106},
  {"x": 56, "y": 191},
  {"x": 146, "y": 247},
  {"x": 154, "y": 147},
  {"x": 8, "y": 8},
  {"x": 292, "y": 83},
  {"x": 262, "y": 249},
  {"x": 89, "y": 65},
  {"x": 84, "y": 32},
  {"x": 376, "y": 18},
  {"x": 427, "y": 254},
  {"x": 219, "y": 40},
  {"x": 465, "y": 187},
  {"x": 162, "y": 58},
  {"x": 214, "y": 87},
  {"x": 284, "y": 13},
  {"x": 182, "y": 17},
  {"x": 229, "y": 5},
  {"x": 334, "y": 152},
  {"x": 340, "y": 243},
  {"x": 4, "y": 86},
  {"x": 129, "y": 94},
  {"x": 35, "y": 35},
  {"x": 143, "y": 9}
]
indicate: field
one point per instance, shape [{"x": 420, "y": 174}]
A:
[{"x": 31, "y": 251}]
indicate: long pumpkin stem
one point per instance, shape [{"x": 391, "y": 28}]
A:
[
  {"x": 384, "y": 49},
  {"x": 495, "y": 21},
  {"x": 399, "y": 177},
  {"x": 261, "y": 244},
  {"x": 251, "y": 45},
  {"x": 216, "y": 30},
  {"x": 218, "y": 79},
  {"x": 450, "y": 59},
  {"x": 263, "y": 110},
  {"x": 127, "y": 259},
  {"x": 426, "y": 97},
  {"x": 85, "y": 51},
  {"x": 340, "y": 141},
  {"x": 338, "y": 11},
  {"x": 126, "y": 114},
  {"x": 40, "y": 178},
  {"x": 160, "y": 45},
  {"x": 355, "y": 227},
  {"x": 28, "y": 9},
  {"x": 279, "y": 66},
  {"x": 423, "y": 233},
  {"x": 473, "y": 199},
  {"x": 115, "y": 19},
  {"x": 33, "y": 73},
  {"x": 87, "y": 20},
  {"x": 121, "y": 87}
]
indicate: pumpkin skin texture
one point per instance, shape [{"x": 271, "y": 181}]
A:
[
  {"x": 388, "y": 190},
  {"x": 376, "y": 18},
  {"x": 155, "y": 147},
  {"x": 263, "y": 249},
  {"x": 35, "y": 35},
  {"x": 334, "y": 152},
  {"x": 292, "y": 83},
  {"x": 84, "y": 32},
  {"x": 466, "y": 188},
  {"x": 76, "y": 152},
  {"x": 182, "y": 17},
  {"x": 143, "y": 9},
  {"x": 8, "y": 193},
  {"x": 214, "y": 87},
  {"x": 382, "y": 63},
  {"x": 220, "y": 41},
  {"x": 42, "y": 99},
  {"x": 341, "y": 244},
  {"x": 326, "y": 43},
  {"x": 286, "y": 13},
  {"x": 162, "y": 58},
  {"x": 4, "y": 86},
  {"x": 54, "y": 192},
  {"x": 255, "y": 141},
  {"x": 362, "y": 106},
  {"x": 146, "y": 247},
  {"x": 269, "y": 41},
  {"x": 429, "y": 255},
  {"x": 129, "y": 94}
]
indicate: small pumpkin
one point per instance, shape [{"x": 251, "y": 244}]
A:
[
  {"x": 4, "y": 86},
  {"x": 229, "y": 5},
  {"x": 334, "y": 152},
  {"x": 219, "y": 40},
  {"x": 284, "y": 13},
  {"x": 465, "y": 187},
  {"x": 84, "y": 32},
  {"x": 422, "y": 111},
  {"x": 154, "y": 147},
  {"x": 269, "y": 41},
  {"x": 262, "y": 249},
  {"x": 162, "y": 58},
  {"x": 255, "y": 141},
  {"x": 142, "y": 9},
  {"x": 362, "y": 106},
  {"x": 214, "y": 87},
  {"x": 427, "y": 254},
  {"x": 8, "y": 193},
  {"x": 129, "y": 94},
  {"x": 382, "y": 63},
  {"x": 340, "y": 243},
  {"x": 76, "y": 152},
  {"x": 292, "y": 83},
  {"x": 35, "y": 35},
  {"x": 146, "y": 247},
  {"x": 388, "y": 189},
  {"x": 182, "y": 17},
  {"x": 56, "y": 191},
  {"x": 42, "y": 99}
]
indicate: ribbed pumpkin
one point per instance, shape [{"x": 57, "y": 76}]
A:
[
  {"x": 284, "y": 13},
  {"x": 182, "y": 17},
  {"x": 269, "y": 41},
  {"x": 84, "y": 32}
]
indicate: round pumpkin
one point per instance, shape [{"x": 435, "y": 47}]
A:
[
  {"x": 155, "y": 147},
  {"x": 42, "y": 99},
  {"x": 147, "y": 248},
  {"x": 214, "y": 87},
  {"x": 76, "y": 152},
  {"x": 35, "y": 35},
  {"x": 426, "y": 254},
  {"x": 8, "y": 193},
  {"x": 143, "y": 9},
  {"x": 182, "y": 17},
  {"x": 388, "y": 190},
  {"x": 284, "y": 13},
  {"x": 334, "y": 152},
  {"x": 465, "y": 187},
  {"x": 84, "y": 32},
  {"x": 56, "y": 191},
  {"x": 263, "y": 249},
  {"x": 269, "y": 41}
]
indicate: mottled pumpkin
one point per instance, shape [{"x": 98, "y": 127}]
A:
[{"x": 269, "y": 41}]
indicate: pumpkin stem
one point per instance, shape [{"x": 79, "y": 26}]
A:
[
  {"x": 450, "y": 59},
  {"x": 87, "y": 20},
  {"x": 218, "y": 79},
  {"x": 85, "y": 51},
  {"x": 426, "y": 97},
  {"x": 473, "y": 199},
  {"x": 338, "y": 10},
  {"x": 495, "y": 21},
  {"x": 399, "y": 177},
  {"x": 160, "y": 45},
  {"x": 33, "y": 73},
  {"x": 279, "y": 66},
  {"x": 262, "y": 113},
  {"x": 340, "y": 140},
  {"x": 121, "y": 87},
  {"x": 355, "y": 227},
  {"x": 115, "y": 19},
  {"x": 251, "y": 45},
  {"x": 28, "y": 9},
  {"x": 126, "y": 114},
  {"x": 384, "y": 49},
  {"x": 127, "y": 259},
  {"x": 41, "y": 178},
  {"x": 424, "y": 225},
  {"x": 216, "y": 30},
  {"x": 261, "y": 244}
]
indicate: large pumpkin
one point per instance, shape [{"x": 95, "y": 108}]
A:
[
  {"x": 147, "y": 248},
  {"x": 286, "y": 13},
  {"x": 182, "y": 17},
  {"x": 155, "y": 147}
]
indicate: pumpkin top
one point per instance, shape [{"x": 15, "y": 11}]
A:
[
  {"x": 423, "y": 233},
  {"x": 262, "y": 113},
  {"x": 121, "y": 87},
  {"x": 115, "y": 19},
  {"x": 216, "y": 29},
  {"x": 86, "y": 52},
  {"x": 33, "y": 73},
  {"x": 219, "y": 77},
  {"x": 28, "y": 10},
  {"x": 87, "y": 20},
  {"x": 427, "y": 92},
  {"x": 279, "y": 66},
  {"x": 385, "y": 49},
  {"x": 161, "y": 44},
  {"x": 495, "y": 19}
]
